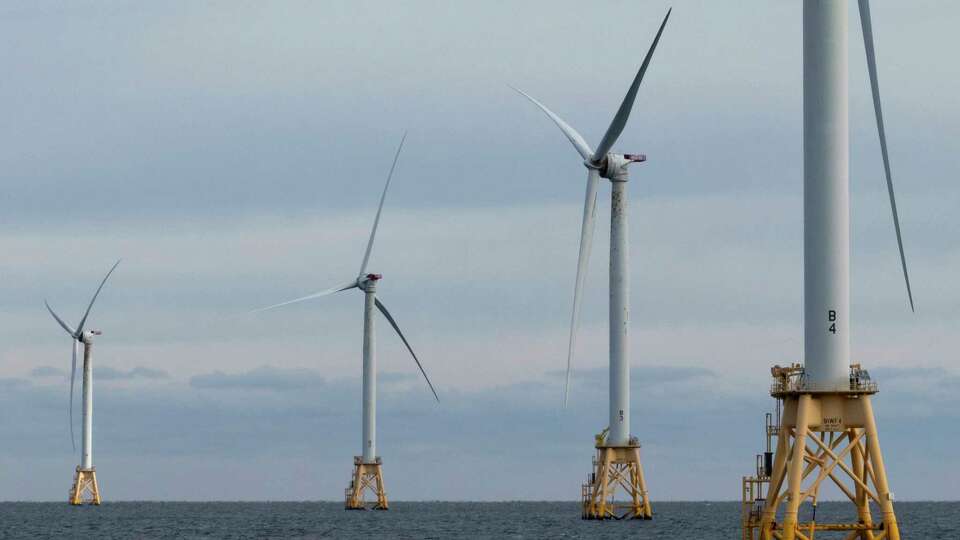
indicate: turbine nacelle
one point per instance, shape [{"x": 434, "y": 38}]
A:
[
  {"x": 613, "y": 166},
  {"x": 368, "y": 280},
  {"x": 87, "y": 335}
]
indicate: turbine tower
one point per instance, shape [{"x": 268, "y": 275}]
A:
[
  {"x": 85, "y": 487},
  {"x": 827, "y": 428},
  {"x": 617, "y": 460},
  {"x": 367, "y": 467}
]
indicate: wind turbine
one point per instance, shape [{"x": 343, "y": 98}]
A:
[
  {"x": 827, "y": 401},
  {"x": 367, "y": 473},
  {"x": 618, "y": 454},
  {"x": 85, "y": 487}
]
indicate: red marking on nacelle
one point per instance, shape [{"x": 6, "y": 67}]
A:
[
  {"x": 374, "y": 277},
  {"x": 635, "y": 157}
]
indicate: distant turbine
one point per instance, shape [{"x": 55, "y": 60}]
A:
[
  {"x": 602, "y": 163},
  {"x": 367, "y": 467},
  {"x": 85, "y": 486}
]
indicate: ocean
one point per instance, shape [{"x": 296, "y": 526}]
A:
[{"x": 414, "y": 520}]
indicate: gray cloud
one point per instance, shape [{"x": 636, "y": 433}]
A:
[
  {"x": 13, "y": 383},
  {"x": 107, "y": 373},
  {"x": 283, "y": 380},
  {"x": 47, "y": 371},
  {"x": 920, "y": 392},
  {"x": 198, "y": 82},
  {"x": 396, "y": 377},
  {"x": 262, "y": 378},
  {"x": 644, "y": 375}
]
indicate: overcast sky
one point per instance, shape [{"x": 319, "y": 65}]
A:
[{"x": 232, "y": 154}]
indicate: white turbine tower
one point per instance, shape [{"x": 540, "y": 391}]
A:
[
  {"x": 618, "y": 454},
  {"x": 367, "y": 473},
  {"x": 827, "y": 401},
  {"x": 85, "y": 487}
]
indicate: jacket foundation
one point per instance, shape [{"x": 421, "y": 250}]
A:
[
  {"x": 367, "y": 479},
  {"x": 85, "y": 489},
  {"x": 615, "y": 469},
  {"x": 823, "y": 437}
]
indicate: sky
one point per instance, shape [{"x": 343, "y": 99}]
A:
[{"x": 232, "y": 154}]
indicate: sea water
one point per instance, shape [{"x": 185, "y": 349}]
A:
[{"x": 466, "y": 520}]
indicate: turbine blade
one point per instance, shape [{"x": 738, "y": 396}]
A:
[
  {"x": 73, "y": 374},
  {"x": 575, "y": 138},
  {"x": 64, "y": 325},
  {"x": 586, "y": 243},
  {"x": 383, "y": 197},
  {"x": 875, "y": 89},
  {"x": 623, "y": 113},
  {"x": 393, "y": 323},
  {"x": 327, "y": 292},
  {"x": 94, "y": 299}
]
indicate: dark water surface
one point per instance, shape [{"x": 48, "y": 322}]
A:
[{"x": 677, "y": 520}]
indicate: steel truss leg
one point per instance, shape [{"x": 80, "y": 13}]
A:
[
  {"x": 617, "y": 468},
  {"x": 366, "y": 477},
  {"x": 85, "y": 488},
  {"x": 811, "y": 449}
]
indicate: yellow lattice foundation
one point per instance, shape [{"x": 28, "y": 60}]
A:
[
  {"x": 367, "y": 478},
  {"x": 616, "y": 468},
  {"x": 85, "y": 489},
  {"x": 826, "y": 436}
]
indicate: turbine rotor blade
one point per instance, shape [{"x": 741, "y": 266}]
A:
[
  {"x": 73, "y": 374},
  {"x": 383, "y": 197},
  {"x": 875, "y": 90},
  {"x": 64, "y": 325},
  {"x": 327, "y": 292},
  {"x": 586, "y": 243},
  {"x": 393, "y": 323},
  {"x": 94, "y": 299},
  {"x": 623, "y": 113},
  {"x": 575, "y": 138}
]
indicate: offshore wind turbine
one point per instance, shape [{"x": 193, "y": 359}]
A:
[
  {"x": 827, "y": 428},
  {"x": 85, "y": 488},
  {"x": 367, "y": 467},
  {"x": 618, "y": 453}
]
